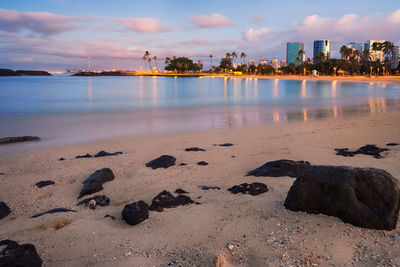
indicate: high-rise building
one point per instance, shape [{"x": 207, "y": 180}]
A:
[
  {"x": 264, "y": 62},
  {"x": 375, "y": 54},
  {"x": 292, "y": 52},
  {"x": 274, "y": 63},
  {"x": 395, "y": 57},
  {"x": 322, "y": 46},
  {"x": 355, "y": 45}
]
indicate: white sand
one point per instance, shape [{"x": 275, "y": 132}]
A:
[{"x": 244, "y": 229}]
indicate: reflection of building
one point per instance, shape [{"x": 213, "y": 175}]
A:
[
  {"x": 375, "y": 54},
  {"x": 251, "y": 62},
  {"x": 322, "y": 46},
  {"x": 274, "y": 63},
  {"x": 292, "y": 52},
  {"x": 355, "y": 45},
  {"x": 395, "y": 57}
]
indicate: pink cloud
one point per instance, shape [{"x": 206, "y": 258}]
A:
[
  {"x": 258, "y": 18},
  {"x": 39, "y": 22},
  {"x": 143, "y": 25},
  {"x": 214, "y": 20}
]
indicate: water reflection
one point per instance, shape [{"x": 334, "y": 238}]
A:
[
  {"x": 334, "y": 84},
  {"x": 303, "y": 93},
  {"x": 90, "y": 90}
]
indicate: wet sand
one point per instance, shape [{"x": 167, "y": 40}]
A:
[{"x": 244, "y": 230}]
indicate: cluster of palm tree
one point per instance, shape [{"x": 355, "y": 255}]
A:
[
  {"x": 147, "y": 60},
  {"x": 227, "y": 61}
]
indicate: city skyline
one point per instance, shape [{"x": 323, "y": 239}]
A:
[{"x": 57, "y": 34}]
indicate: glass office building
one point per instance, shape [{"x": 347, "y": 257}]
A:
[
  {"x": 322, "y": 46},
  {"x": 292, "y": 52},
  {"x": 355, "y": 45}
]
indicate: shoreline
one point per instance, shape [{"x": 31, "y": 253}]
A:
[{"x": 246, "y": 230}]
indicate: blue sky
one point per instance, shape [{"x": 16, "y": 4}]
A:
[{"x": 59, "y": 34}]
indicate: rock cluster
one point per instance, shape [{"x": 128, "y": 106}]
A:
[
  {"x": 370, "y": 150},
  {"x": 253, "y": 189},
  {"x": 166, "y": 200}
]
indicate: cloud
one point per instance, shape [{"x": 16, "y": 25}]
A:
[
  {"x": 214, "y": 20},
  {"x": 43, "y": 23},
  {"x": 258, "y": 18},
  {"x": 195, "y": 42},
  {"x": 142, "y": 25},
  {"x": 256, "y": 34}
]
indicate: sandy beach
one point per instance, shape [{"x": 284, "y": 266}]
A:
[{"x": 237, "y": 230}]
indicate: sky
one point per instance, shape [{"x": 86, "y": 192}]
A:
[{"x": 61, "y": 34}]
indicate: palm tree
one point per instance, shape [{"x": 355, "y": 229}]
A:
[
  {"x": 155, "y": 61},
  {"x": 167, "y": 60},
  {"x": 211, "y": 57},
  {"x": 149, "y": 60},
  {"x": 243, "y": 55},
  {"x": 228, "y": 55},
  {"x": 346, "y": 52},
  {"x": 146, "y": 56},
  {"x": 234, "y": 55}
]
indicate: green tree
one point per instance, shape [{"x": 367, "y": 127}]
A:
[
  {"x": 225, "y": 64},
  {"x": 180, "y": 64},
  {"x": 243, "y": 55}
]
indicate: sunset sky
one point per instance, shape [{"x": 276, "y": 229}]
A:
[{"x": 59, "y": 34}]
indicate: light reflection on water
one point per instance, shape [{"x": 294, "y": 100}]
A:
[{"x": 74, "y": 109}]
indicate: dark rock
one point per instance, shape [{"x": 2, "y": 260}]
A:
[
  {"x": 2, "y": 173},
  {"x": 204, "y": 187},
  {"x": 370, "y": 150},
  {"x": 60, "y": 159},
  {"x": 7, "y": 72},
  {"x": 135, "y": 212},
  {"x": 197, "y": 203},
  {"x": 182, "y": 164},
  {"x": 392, "y": 144},
  {"x": 194, "y": 149},
  {"x": 101, "y": 200},
  {"x": 253, "y": 189},
  {"x": 53, "y": 211},
  {"x": 109, "y": 216},
  {"x": 105, "y": 154},
  {"x": 233, "y": 157},
  {"x": 44, "y": 183},
  {"x": 180, "y": 191},
  {"x": 33, "y": 73},
  {"x": 4, "y": 210},
  {"x": 84, "y": 156},
  {"x": 364, "y": 197},
  {"x": 226, "y": 144},
  {"x": 164, "y": 161},
  {"x": 18, "y": 139},
  {"x": 95, "y": 181},
  {"x": 279, "y": 168},
  {"x": 24, "y": 255},
  {"x": 166, "y": 200},
  {"x": 202, "y": 163}
]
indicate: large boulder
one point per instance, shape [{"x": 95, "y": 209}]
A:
[
  {"x": 364, "y": 197},
  {"x": 166, "y": 200},
  {"x": 24, "y": 255},
  {"x": 277, "y": 168},
  {"x": 164, "y": 161},
  {"x": 4, "y": 210},
  {"x": 135, "y": 212},
  {"x": 95, "y": 181}
]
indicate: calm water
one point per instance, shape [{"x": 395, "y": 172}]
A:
[{"x": 65, "y": 109}]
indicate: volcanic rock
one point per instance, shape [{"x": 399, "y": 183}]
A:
[
  {"x": 194, "y": 149},
  {"x": 44, "y": 183},
  {"x": 105, "y": 154},
  {"x": 53, "y": 211},
  {"x": 180, "y": 191},
  {"x": 24, "y": 255},
  {"x": 364, "y": 197},
  {"x": 279, "y": 168},
  {"x": 135, "y": 212},
  {"x": 370, "y": 150},
  {"x": 202, "y": 163},
  {"x": 84, "y": 156},
  {"x": 18, "y": 139},
  {"x": 226, "y": 144},
  {"x": 166, "y": 200},
  {"x": 253, "y": 189},
  {"x": 392, "y": 144},
  {"x": 95, "y": 181},
  {"x": 4, "y": 210},
  {"x": 204, "y": 187},
  {"x": 164, "y": 161}
]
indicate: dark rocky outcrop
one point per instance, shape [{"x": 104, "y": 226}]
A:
[
  {"x": 166, "y": 200},
  {"x": 18, "y": 139},
  {"x": 164, "y": 161},
  {"x": 61, "y": 159},
  {"x": 370, "y": 150},
  {"x": 202, "y": 163},
  {"x": 180, "y": 191},
  {"x": 4, "y": 210},
  {"x": 135, "y": 212},
  {"x": 53, "y": 211},
  {"x": 44, "y": 183},
  {"x": 8, "y": 72},
  {"x": 24, "y": 255},
  {"x": 33, "y": 73},
  {"x": 204, "y": 187},
  {"x": 226, "y": 144},
  {"x": 194, "y": 149},
  {"x": 105, "y": 154},
  {"x": 84, "y": 156},
  {"x": 92, "y": 202},
  {"x": 253, "y": 189},
  {"x": 279, "y": 168},
  {"x": 392, "y": 144},
  {"x": 183, "y": 164},
  {"x": 364, "y": 197},
  {"x": 95, "y": 181}
]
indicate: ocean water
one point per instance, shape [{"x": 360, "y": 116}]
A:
[{"x": 65, "y": 109}]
